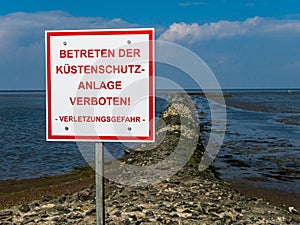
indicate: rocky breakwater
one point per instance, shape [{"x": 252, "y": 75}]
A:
[{"x": 145, "y": 191}]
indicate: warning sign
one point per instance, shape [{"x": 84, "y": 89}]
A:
[{"x": 100, "y": 85}]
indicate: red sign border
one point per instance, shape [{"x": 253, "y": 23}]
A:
[{"x": 50, "y": 136}]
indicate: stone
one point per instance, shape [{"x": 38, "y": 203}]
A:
[
  {"x": 91, "y": 212},
  {"x": 293, "y": 210},
  {"x": 47, "y": 198},
  {"x": 24, "y": 208},
  {"x": 5, "y": 213},
  {"x": 188, "y": 197}
]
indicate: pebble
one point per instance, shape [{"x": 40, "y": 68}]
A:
[{"x": 188, "y": 197}]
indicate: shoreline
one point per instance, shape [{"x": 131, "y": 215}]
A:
[
  {"x": 18, "y": 192},
  {"x": 275, "y": 196},
  {"x": 187, "y": 197}
]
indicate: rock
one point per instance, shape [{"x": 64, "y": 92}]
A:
[
  {"x": 238, "y": 209},
  {"x": 74, "y": 216},
  {"x": 127, "y": 222},
  {"x": 118, "y": 214},
  {"x": 24, "y": 208},
  {"x": 293, "y": 210},
  {"x": 62, "y": 199},
  {"x": 133, "y": 217},
  {"x": 62, "y": 209},
  {"x": 5, "y": 213},
  {"x": 91, "y": 212},
  {"x": 6, "y": 216},
  {"x": 187, "y": 197},
  {"x": 47, "y": 198},
  {"x": 6, "y": 223},
  {"x": 127, "y": 151},
  {"x": 149, "y": 214},
  {"x": 85, "y": 196}
]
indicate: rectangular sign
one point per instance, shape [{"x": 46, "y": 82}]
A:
[{"x": 100, "y": 85}]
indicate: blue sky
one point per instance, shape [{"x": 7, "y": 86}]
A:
[{"x": 246, "y": 43}]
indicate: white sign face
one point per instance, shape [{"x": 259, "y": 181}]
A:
[{"x": 100, "y": 85}]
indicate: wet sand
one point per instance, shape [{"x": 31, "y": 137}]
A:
[
  {"x": 18, "y": 192},
  {"x": 272, "y": 195}
]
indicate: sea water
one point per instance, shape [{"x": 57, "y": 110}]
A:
[
  {"x": 262, "y": 138},
  {"x": 261, "y": 143},
  {"x": 24, "y": 151}
]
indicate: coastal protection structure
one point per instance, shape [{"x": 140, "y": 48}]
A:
[{"x": 100, "y": 88}]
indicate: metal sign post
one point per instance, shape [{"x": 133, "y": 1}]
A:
[
  {"x": 80, "y": 64},
  {"x": 100, "y": 211}
]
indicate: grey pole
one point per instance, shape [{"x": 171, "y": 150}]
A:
[{"x": 99, "y": 161}]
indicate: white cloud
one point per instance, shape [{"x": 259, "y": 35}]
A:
[
  {"x": 254, "y": 53},
  {"x": 191, "y": 33},
  {"x": 22, "y": 43},
  {"x": 236, "y": 50},
  {"x": 27, "y": 28}
]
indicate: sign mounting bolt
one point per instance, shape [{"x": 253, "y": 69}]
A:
[
  {"x": 65, "y": 43},
  {"x": 129, "y": 42}
]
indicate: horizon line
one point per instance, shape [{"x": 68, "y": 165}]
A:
[{"x": 187, "y": 89}]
